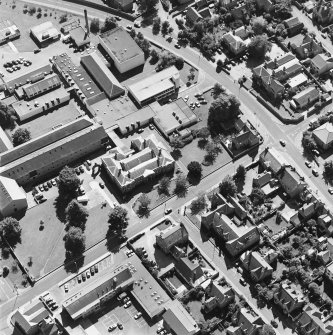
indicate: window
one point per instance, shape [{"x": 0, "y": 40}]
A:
[{"x": 33, "y": 174}]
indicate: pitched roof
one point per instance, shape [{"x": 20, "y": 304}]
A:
[
  {"x": 267, "y": 78},
  {"x": 9, "y": 191},
  {"x": 234, "y": 41},
  {"x": 319, "y": 61},
  {"x": 273, "y": 159},
  {"x": 42, "y": 85},
  {"x": 291, "y": 22},
  {"x": 309, "y": 94},
  {"x": 193, "y": 15},
  {"x": 324, "y": 132}
]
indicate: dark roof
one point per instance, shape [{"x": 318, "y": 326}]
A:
[
  {"x": 205, "y": 12},
  {"x": 42, "y": 141},
  {"x": 285, "y": 59},
  {"x": 42, "y": 85},
  {"x": 292, "y": 22},
  {"x": 193, "y": 15},
  {"x": 102, "y": 75},
  {"x": 79, "y": 36},
  {"x": 309, "y": 94}
]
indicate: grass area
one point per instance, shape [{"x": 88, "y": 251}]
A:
[{"x": 15, "y": 275}]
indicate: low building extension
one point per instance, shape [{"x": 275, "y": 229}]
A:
[
  {"x": 246, "y": 322},
  {"x": 307, "y": 48},
  {"x": 45, "y": 33},
  {"x": 218, "y": 296},
  {"x": 256, "y": 266},
  {"x": 8, "y": 31},
  {"x": 150, "y": 159}
]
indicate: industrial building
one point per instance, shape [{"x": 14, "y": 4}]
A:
[
  {"x": 102, "y": 76},
  {"x": 80, "y": 36},
  {"x": 48, "y": 153},
  {"x": 8, "y": 31},
  {"x": 12, "y": 197},
  {"x": 123, "y": 50},
  {"x": 45, "y": 33},
  {"x": 160, "y": 85}
]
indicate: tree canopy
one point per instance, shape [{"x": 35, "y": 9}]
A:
[
  {"x": 217, "y": 90},
  {"x": 198, "y": 205},
  {"x": 163, "y": 185},
  {"x": 147, "y": 6},
  {"x": 6, "y": 115},
  {"x": 76, "y": 214},
  {"x": 194, "y": 169},
  {"x": 109, "y": 23},
  {"x": 94, "y": 25},
  {"x": 308, "y": 141},
  {"x": 10, "y": 229},
  {"x": 282, "y": 9},
  {"x": 181, "y": 185},
  {"x": 118, "y": 219},
  {"x": 259, "y": 25},
  {"x": 268, "y": 330},
  {"x": 259, "y": 46},
  {"x": 228, "y": 187},
  {"x": 75, "y": 241},
  {"x": 20, "y": 136},
  {"x": 328, "y": 169},
  {"x": 68, "y": 181},
  {"x": 240, "y": 173}
]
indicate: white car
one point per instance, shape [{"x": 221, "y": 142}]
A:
[
  {"x": 197, "y": 104},
  {"x": 137, "y": 315},
  {"x": 137, "y": 24},
  {"x": 330, "y": 190},
  {"x": 129, "y": 27},
  {"x": 159, "y": 329},
  {"x": 186, "y": 98},
  {"x": 128, "y": 304}
]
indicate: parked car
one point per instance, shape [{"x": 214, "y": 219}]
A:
[
  {"x": 126, "y": 299},
  {"x": 308, "y": 164},
  {"x": 120, "y": 326},
  {"x": 118, "y": 18},
  {"x": 79, "y": 279},
  {"x": 101, "y": 184},
  {"x": 111, "y": 328},
  {"x": 36, "y": 51},
  {"x": 159, "y": 329},
  {"x": 274, "y": 323},
  {"x": 129, "y": 27},
  {"x": 121, "y": 296},
  {"x": 66, "y": 288},
  {"x": 41, "y": 188},
  {"x": 137, "y": 315},
  {"x": 77, "y": 171},
  {"x": 128, "y": 304},
  {"x": 81, "y": 168},
  {"x": 88, "y": 274},
  {"x": 54, "y": 183},
  {"x": 45, "y": 186},
  {"x": 197, "y": 104},
  {"x": 177, "y": 46},
  {"x": 92, "y": 270},
  {"x": 88, "y": 162},
  {"x": 140, "y": 130},
  {"x": 168, "y": 211},
  {"x": 83, "y": 276},
  {"x": 243, "y": 282},
  {"x": 330, "y": 190},
  {"x": 315, "y": 172},
  {"x": 316, "y": 152},
  {"x": 239, "y": 270},
  {"x": 96, "y": 268},
  {"x": 283, "y": 143},
  {"x": 49, "y": 184}
]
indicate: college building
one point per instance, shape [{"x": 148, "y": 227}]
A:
[{"x": 123, "y": 50}]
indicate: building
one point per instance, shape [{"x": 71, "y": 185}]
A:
[
  {"x": 305, "y": 99},
  {"x": 287, "y": 70},
  {"x": 292, "y": 183},
  {"x": 124, "y": 5},
  {"x": 178, "y": 321},
  {"x": 323, "y": 135},
  {"x": 256, "y": 266},
  {"x": 288, "y": 298},
  {"x": 296, "y": 82},
  {"x": 247, "y": 322},
  {"x": 174, "y": 235},
  {"x": 103, "y": 77},
  {"x": 272, "y": 159},
  {"x": 12, "y": 197},
  {"x": 313, "y": 321},
  {"x": 123, "y": 50},
  {"x": 293, "y": 26},
  {"x": 79, "y": 36},
  {"x": 93, "y": 296},
  {"x": 189, "y": 270},
  {"x": 321, "y": 64},
  {"x": 45, "y": 33},
  {"x": 28, "y": 109},
  {"x": 329, "y": 272},
  {"x": 246, "y": 138},
  {"x": 307, "y": 48},
  {"x": 8, "y": 31},
  {"x": 192, "y": 15},
  {"x": 325, "y": 225},
  {"x": 234, "y": 44},
  {"x": 33, "y": 318},
  {"x": 151, "y": 159},
  {"x": 48, "y": 153},
  {"x": 5, "y": 142},
  {"x": 158, "y": 86},
  {"x": 218, "y": 296},
  {"x": 267, "y": 5},
  {"x": 263, "y": 78}
]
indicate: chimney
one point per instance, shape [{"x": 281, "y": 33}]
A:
[{"x": 87, "y": 23}]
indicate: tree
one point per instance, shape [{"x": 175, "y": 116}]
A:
[
  {"x": 257, "y": 196},
  {"x": 282, "y": 9},
  {"x": 32, "y": 10},
  {"x": 194, "y": 169},
  {"x": 267, "y": 330},
  {"x": 76, "y": 214},
  {"x": 109, "y": 24},
  {"x": 10, "y": 229},
  {"x": 203, "y": 133},
  {"x": 144, "y": 201},
  {"x": 5, "y": 271},
  {"x": 224, "y": 108},
  {"x": 94, "y": 25},
  {"x": 287, "y": 252},
  {"x": 240, "y": 174},
  {"x": 212, "y": 151},
  {"x": 176, "y": 143},
  {"x": 156, "y": 25},
  {"x": 68, "y": 181},
  {"x": 217, "y": 90},
  {"x": 259, "y": 46},
  {"x": 75, "y": 241},
  {"x": 181, "y": 185},
  {"x": 163, "y": 185},
  {"x": 228, "y": 187},
  {"x": 143, "y": 43},
  {"x": 118, "y": 219},
  {"x": 179, "y": 63},
  {"x": 259, "y": 25},
  {"x": 165, "y": 27},
  {"x": 154, "y": 55},
  {"x": 308, "y": 142},
  {"x": 191, "y": 74},
  {"x": 146, "y": 6},
  {"x": 198, "y": 205},
  {"x": 314, "y": 291},
  {"x": 20, "y": 136},
  {"x": 328, "y": 169},
  {"x": 6, "y": 115},
  {"x": 63, "y": 18}
]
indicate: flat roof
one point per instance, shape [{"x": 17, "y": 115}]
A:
[
  {"x": 141, "y": 115},
  {"x": 7, "y": 26},
  {"x": 25, "y": 107},
  {"x": 299, "y": 79},
  {"x": 154, "y": 84},
  {"x": 42, "y": 30},
  {"x": 120, "y": 43},
  {"x": 80, "y": 76},
  {"x": 103, "y": 76},
  {"x": 79, "y": 36}
]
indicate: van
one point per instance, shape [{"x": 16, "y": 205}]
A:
[{"x": 83, "y": 199}]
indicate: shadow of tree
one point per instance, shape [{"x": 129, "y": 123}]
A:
[
  {"x": 73, "y": 265},
  {"x": 193, "y": 180},
  {"x": 176, "y": 154},
  {"x": 60, "y": 204},
  {"x": 143, "y": 212},
  {"x": 202, "y": 143},
  {"x": 113, "y": 241}
]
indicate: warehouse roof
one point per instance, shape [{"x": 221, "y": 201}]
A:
[
  {"x": 44, "y": 31},
  {"x": 42, "y": 85},
  {"x": 121, "y": 44}
]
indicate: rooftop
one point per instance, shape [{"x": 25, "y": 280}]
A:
[
  {"x": 324, "y": 132},
  {"x": 41, "y": 85},
  {"x": 44, "y": 31},
  {"x": 297, "y": 80},
  {"x": 7, "y": 28},
  {"x": 320, "y": 61},
  {"x": 309, "y": 93},
  {"x": 121, "y": 44},
  {"x": 79, "y": 36}
]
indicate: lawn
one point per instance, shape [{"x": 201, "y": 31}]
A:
[{"x": 15, "y": 275}]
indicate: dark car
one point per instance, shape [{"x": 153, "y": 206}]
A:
[
  {"x": 96, "y": 268},
  {"x": 243, "y": 282},
  {"x": 45, "y": 186},
  {"x": 274, "y": 324},
  {"x": 120, "y": 326},
  {"x": 81, "y": 168},
  {"x": 49, "y": 184},
  {"x": 77, "y": 171},
  {"x": 36, "y": 51}
]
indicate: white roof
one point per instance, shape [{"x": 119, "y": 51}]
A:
[
  {"x": 9, "y": 191},
  {"x": 297, "y": 80}
]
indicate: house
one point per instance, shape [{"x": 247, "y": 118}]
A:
[
  {"x": 287, "y": 70},
  {"x": 325, "y": 225},
  {"x": 45, "y": 33},
  {"x": 292, "y": 183},
  {"x": 177, "y": 320},
  {"x": 175, "y": 235},
  {"x": 307, "y": 211},
  {"x": 5, "y": 142},
  {"x": 192, "y": 15},
  {"x": 247, "y": 322},
  {"x": 189, "y": 270},
  {"x": 237, "y": 238},
  {"x": 314, "y": 322},
  {"x": 218, "y": 296},
  {"x": 242, "y": 32},
  {"x": 234, "y": 44},
  {"x": 293, "y": 26},
  {"x": 305, "y": 99},
  {"x": 321, "y": 64},
  {"x": 307, "y": 48},
  {"x": 323, "y": 135},
  {"x": 200, "y": 4},
  {"x": 8, "y": 31},
  {"x": 256, "y": 266},
  {"x": 12, "y": 197},
  {"x": 322, "y": 13},
  {"x": 272, "y": 160},
  {"x": 122, "y": 49},
  {"x": 247, "y": 138},
  {"x": 149, "y": 159},
  {"x": 263, "y": 78},
  {"x": 295, "y": 82},
  {"x": 205, "y": 13},
  {"x": 308, "y": 6},
  {"x": 33, "y": 318},
  {"x": 289, "y": 298}
]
